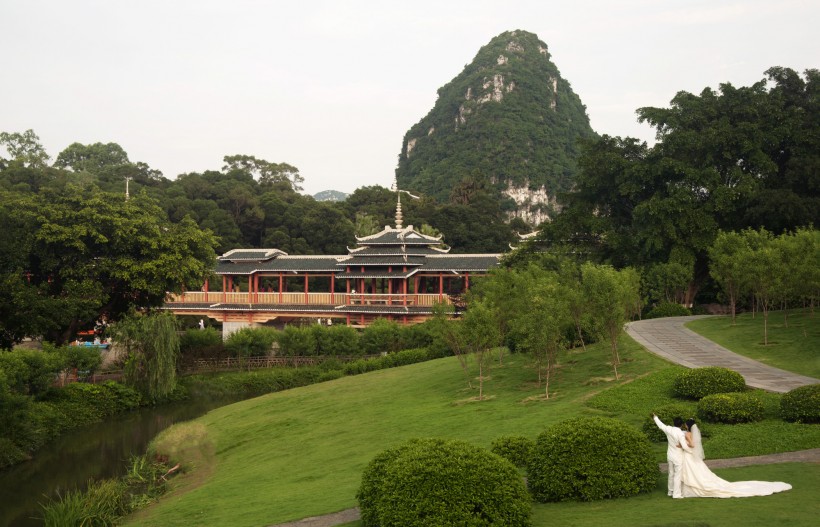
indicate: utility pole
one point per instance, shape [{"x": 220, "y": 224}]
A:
[{"x": 127, "y": 179}]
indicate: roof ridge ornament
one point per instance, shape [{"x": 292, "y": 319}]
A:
[{"x": 399, "y": 216}]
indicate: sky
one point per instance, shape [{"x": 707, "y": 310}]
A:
[{"x": 332, "y": 87}]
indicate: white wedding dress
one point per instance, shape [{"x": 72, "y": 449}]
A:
[{"x": 700, "y": 482}]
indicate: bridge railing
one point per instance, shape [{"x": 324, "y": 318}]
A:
[{"x": 319, "y": 299}]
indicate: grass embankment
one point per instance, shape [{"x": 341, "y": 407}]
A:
[
  {"x": 300, "y": 453},
  {"x": 794, "y": 347}
]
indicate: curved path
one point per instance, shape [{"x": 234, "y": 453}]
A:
[{"x": 668, "y": 338}]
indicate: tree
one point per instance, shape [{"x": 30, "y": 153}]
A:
[
  {"x": 613, "y": 298},
  {"x": 268, "y": 173},
  {"x": 365, "y": 225},
  {"x": 544, "y": 325},
  {"x": 668, "y": 282},
  {"x": 799, "y": 268},
  {"x": 151, "y": 344},
  {"x": 87, "y": 254},
  {"x": 727, "y": 258},
  {"x": 478, "y": 332},
  {"x": 763, "y": 272},
  {"x": 92, "y": 158},
  {"x": 725, "y": 159},
  {"x": 24, "y": 149}
]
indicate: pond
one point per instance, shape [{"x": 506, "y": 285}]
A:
[{"x": 91, "y": 453}]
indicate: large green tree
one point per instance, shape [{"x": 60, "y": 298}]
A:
[
  {"x": 85, "y": 254},
  {"x": 725, "y": 159}
]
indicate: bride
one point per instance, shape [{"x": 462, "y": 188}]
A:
[{"x": 700, "y": 482}]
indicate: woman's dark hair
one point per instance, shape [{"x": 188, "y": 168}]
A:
[{"x": 690, "y": 423}]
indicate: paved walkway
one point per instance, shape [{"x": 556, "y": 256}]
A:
[
  {"x": 801, "y": 456},
  {"x": 668, "y": 338}
]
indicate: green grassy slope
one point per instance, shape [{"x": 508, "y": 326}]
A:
[{"x": 300, "y": 453}]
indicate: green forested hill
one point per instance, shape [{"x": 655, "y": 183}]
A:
[{"x": 508, "y": 119}]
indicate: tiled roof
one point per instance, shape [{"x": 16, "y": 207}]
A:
[
  {"x": 281, "y": 264},
  {"x": 382, "y": 261},
  {"x": 413, "y": 250},
  {"x": 406, "y": 236},
  {"x": 460, "y": 262},
  {"x": 237, "y": 255}
]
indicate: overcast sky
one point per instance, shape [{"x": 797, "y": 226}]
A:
[{"x": 331, "y": 87}]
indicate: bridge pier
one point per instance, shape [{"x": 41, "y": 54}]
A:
[{"x": 229, "y": 328}]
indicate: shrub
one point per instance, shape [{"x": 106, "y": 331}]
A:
[
  {"x": 731, "y": 408},
  {"x": 380, "y": 337},
  {"x": 415, "y": 336},
  {"x": 200, "y": 343},
  {"x": 515, "y": 449},
  {"x": 666, "y": 413},
  {"x": 10, "y": 454},
  {"x": 30, "y": 372},
  {"x": 297, "y": 342},
  {"x": 86, "y": 359},
  {"x": 427, "y": 482},
  {"x": 589, "y": 459},
  {"x": 700, "y": 382},
  {"x": 668, "y": 309},
  {"x": 337, "y": 340},
  {"x": 801, "y": 405},
  {"x": 251, "y": 342}
]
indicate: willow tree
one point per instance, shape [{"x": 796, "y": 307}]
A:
[{"x": 151, "y": 345}]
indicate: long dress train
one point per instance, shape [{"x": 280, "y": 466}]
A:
[{"x": 700, "y": 482}]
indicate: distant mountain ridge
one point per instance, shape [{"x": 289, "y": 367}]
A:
[
  {"x": 330, "y": 195},
  {"x": 508, "y": 121}
]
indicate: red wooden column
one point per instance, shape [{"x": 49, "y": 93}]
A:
[
  {"x": 389, "y": 286},
  {"x": 332, "y": 286},
  {"x": 306, "y": 288},
  {"x": 347, "y": 291},
  {"x": 466, "y": 281},
  {"x": 440, "y": 286},
  {"x": 281, "y": 284},
  {"x": 404, "y": 288},
  {"x": 224, "y": 288},
  {"x": 206, "y": 286}
]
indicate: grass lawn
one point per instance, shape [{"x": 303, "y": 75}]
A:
[
  {"x": 300, "y": 453},
  {"x": 795, "y": 347}
]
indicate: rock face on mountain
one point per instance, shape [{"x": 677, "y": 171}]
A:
[{"x": 508, "y": 122}]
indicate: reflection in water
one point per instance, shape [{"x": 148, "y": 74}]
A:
[{"x": 91, "y": 453}]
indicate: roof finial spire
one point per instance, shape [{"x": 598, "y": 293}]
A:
[
  {"x": 398, "y": 201},
  {"x": 398, "y": 211}
]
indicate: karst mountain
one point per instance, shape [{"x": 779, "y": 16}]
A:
[{"x": 508, "y": 123}]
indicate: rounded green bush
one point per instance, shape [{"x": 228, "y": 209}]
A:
[
  {"x": 591, "y": 458},
  {"x": 666, "y": 413},
  {"x": 515, "y": 449},
  {"x": 700, "y": 382},
  {"x": 668, "y": 309},
  {"x": 801, "y": 405},
  {"x": 731, "y": 408},
  {"x": 425, "y": 482}
]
